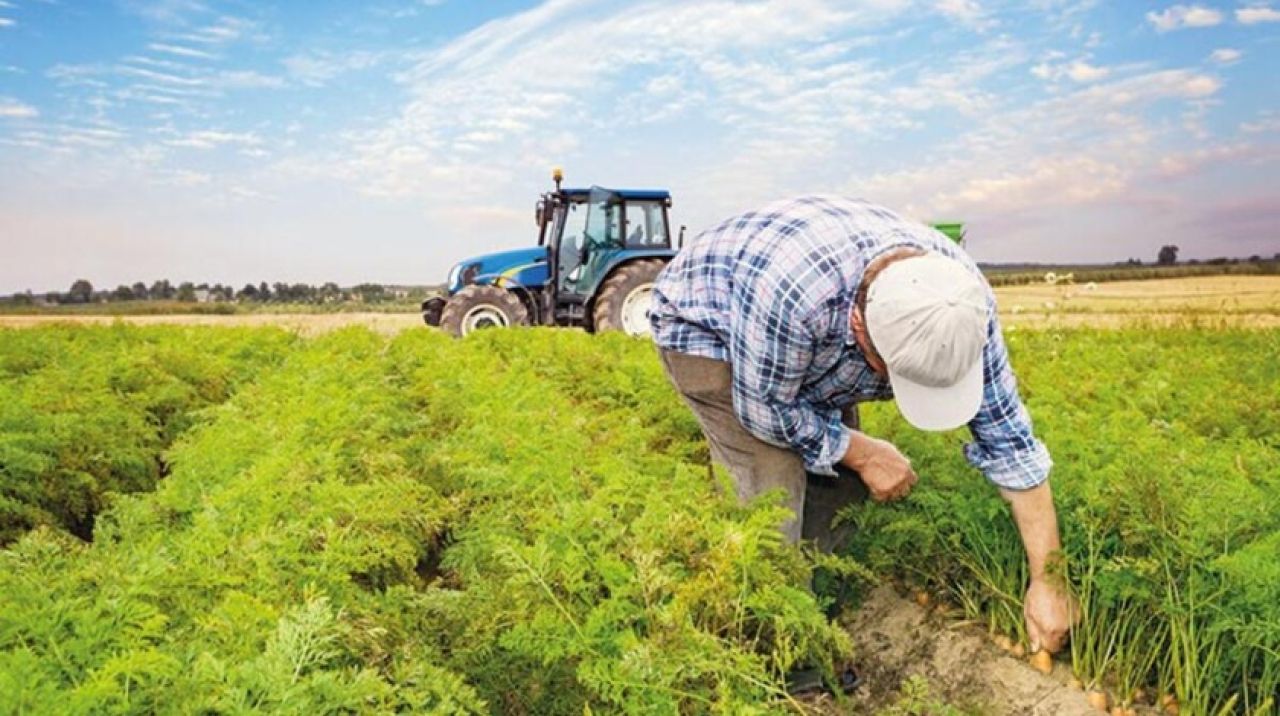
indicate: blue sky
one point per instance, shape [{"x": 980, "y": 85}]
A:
[{"x": 234, "y": 141}]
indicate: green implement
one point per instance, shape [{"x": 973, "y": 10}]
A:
[{"x": 953, "y": 230}]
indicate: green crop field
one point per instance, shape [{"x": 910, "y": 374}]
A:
[{"x": 235, "y": 520}]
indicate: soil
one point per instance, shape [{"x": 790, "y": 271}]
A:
[{"x": 896, "y": 638}]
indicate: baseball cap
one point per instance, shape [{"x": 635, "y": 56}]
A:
[{"x": 927, "y": 316}]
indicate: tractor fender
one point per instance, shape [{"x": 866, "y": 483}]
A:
[
  {"x": 630, "y": 257},
  {"x": 507, "y": 281}
]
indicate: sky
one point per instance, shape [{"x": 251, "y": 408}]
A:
[{"x": 234, "y": 141}]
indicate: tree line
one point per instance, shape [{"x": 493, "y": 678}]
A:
[{"x": 82, "y": 292}]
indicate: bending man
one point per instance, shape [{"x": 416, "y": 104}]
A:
[{"x": 774, "y": 324}]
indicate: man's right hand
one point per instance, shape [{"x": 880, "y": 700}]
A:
[{"x": 886, "y": 471}]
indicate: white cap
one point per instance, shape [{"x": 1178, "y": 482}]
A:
[{"x": 927, "y": 318}]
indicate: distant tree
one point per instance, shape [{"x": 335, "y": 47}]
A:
[
  {"x": 1255, "y": 259},
  {"x": 24, "y": 299},
  {"x": 53, "y": 297},
  {"x": 81, "y": 291},
  {"x": 330, "y": 292},
  {"x": 248, "y": 293},
  {"x": 1276, "y": 257},
  {"x": 1168, "y": 255},
  {"x": 122, "y": 293},
  {"x": 1134, "y": 262},
  {"x": 162, "y": 290},
  {"x": 140, "y": 291},
  {"x": 186, "y": 292},
  {"x": 281, "y": 291},
  {"x": 264, "y": 292},
  {"x": 369, "y": 292}
]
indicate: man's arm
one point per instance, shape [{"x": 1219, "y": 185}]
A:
[
  {"x": 1047, "y": 608},
  {"x": 1006, "y": 450}
]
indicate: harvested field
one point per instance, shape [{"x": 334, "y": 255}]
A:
[{"x": 1211, "y": 301}]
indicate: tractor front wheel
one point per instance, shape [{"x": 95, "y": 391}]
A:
[
  {"x": 623, "y": 303},
  {"x": 476, "y": 307},
  {"x": 431, "y": 310}
]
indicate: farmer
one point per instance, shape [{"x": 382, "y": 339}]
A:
[{"x": 774, "y": 324}]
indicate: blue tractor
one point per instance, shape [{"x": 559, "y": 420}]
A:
[{"x": 598, "y": 254}]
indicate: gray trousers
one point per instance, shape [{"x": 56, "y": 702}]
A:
[{"x": 756, "y": 466}]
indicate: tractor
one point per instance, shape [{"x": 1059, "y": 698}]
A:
[{"x": 598, "y": 254}]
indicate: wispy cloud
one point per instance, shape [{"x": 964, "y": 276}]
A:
[
  {"x": 224, "y": 30},
  {"x": 1179, "y": 17},
  {"x": 316, "y": 69},
  {"x": 1256, "y": 14},
  {"x": 181, "y": 51},
  {"x": 13, "y": 109},
  {"x": 1225, "y": 56},
  {"x": 212, "y": 139},
  {"x": 7, "y": 22}
]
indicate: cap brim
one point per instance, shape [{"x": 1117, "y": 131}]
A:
[{"x": 932, "y": 408}]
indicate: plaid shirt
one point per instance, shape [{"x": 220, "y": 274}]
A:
[{"x": 770, "y": 292}]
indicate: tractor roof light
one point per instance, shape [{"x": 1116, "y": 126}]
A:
[{"x": 557, "y": 175}]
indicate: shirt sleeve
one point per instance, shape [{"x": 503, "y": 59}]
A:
[
  {"x": 1004, "y": 447},
  {"x": 772, "y": 348}
]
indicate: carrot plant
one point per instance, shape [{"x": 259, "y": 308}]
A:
[{"x": 88, "y": 411}]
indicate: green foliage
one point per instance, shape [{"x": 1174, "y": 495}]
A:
[
  {"x": 422, "y": 525},
  {"x": 87, "y": 412},
  {"x": 916, "y": 699},
  {"x": 524, "y": 522}
]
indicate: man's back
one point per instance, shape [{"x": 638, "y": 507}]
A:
[{"x": 809, "y": 252}]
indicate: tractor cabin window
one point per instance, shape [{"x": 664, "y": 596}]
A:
[{"x": 646, "y": 226}]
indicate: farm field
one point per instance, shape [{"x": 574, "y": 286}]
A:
[
  {"x": 1232, "y": 300},
  {"x": 230, "y": 520}
]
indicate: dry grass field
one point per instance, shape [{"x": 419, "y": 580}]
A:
[{"x": 1246, "y": 301}]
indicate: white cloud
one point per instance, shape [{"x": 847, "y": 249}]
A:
[
  {"x": 181, "y": 51},
  {"x": 1257, "y": 14},
  {"x": 6, "y": 22},
  {"x": 13, "y": 109},
  {"x": 1225, "y": 56},
  {"x": 225, "y": 30},
  {"x": 967, "y": 12},
  {"x": 1267, "y": 121},
  {"x": 1179, "y": 17},
  {"x": 1081, "y": 71},
  {"x": 212, "y": 139},
  {"x": 316, "y": 69}
]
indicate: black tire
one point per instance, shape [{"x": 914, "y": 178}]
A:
[
  {"x": 432, "y": 308},
  {"x": 612, "y": 310},
  {"x": 476, "y": 307}
]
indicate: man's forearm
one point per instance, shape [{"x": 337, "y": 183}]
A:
[{"x": 1037, "y": 523}]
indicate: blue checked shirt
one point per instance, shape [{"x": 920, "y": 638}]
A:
[{"x": 770, "y": 292}]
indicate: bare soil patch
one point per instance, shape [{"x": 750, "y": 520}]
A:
[{"x": 896, "y": 639}]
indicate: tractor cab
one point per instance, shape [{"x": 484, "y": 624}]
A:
[{"x": 598, "y": 253}]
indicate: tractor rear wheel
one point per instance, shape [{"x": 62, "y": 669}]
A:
[
  {"x": 623, "y": 303},
  {"x": 476, "y": 307}
]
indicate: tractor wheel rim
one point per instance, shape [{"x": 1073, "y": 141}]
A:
[
  {"x": 635, "y": 310},
  {"x": 483, "y": 317}
]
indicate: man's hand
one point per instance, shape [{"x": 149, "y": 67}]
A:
[
  {"x": 886, "y": 472},
  {"x": 1050, "y": 612},
  {"x": 1048, "y": 609}
]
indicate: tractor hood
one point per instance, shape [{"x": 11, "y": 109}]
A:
[{"x": 528, "y": 267}]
